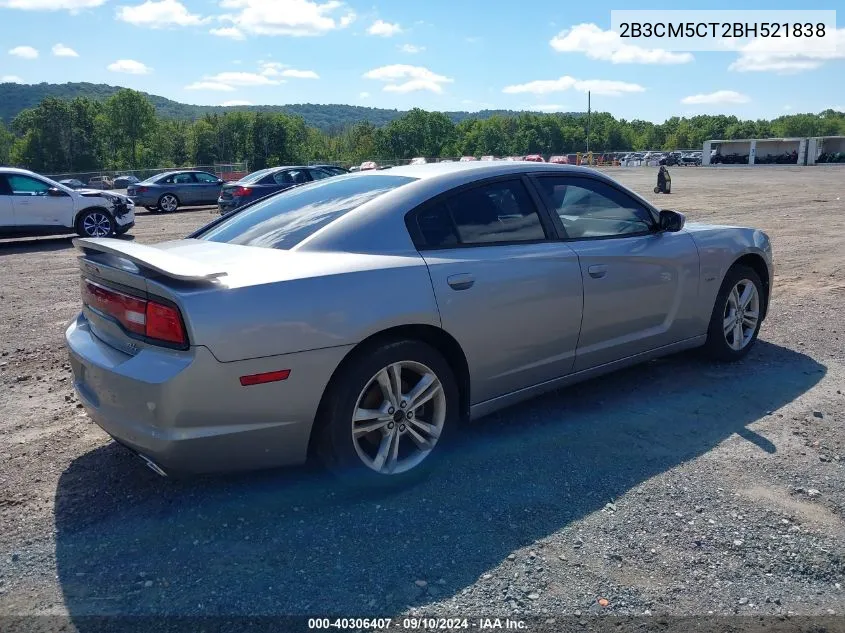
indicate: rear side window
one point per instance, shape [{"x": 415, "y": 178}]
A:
[
  {"x": 284, "y": 220},
  {"x": 495, "y": 213}
]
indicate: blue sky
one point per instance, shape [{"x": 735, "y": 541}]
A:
[{"x": 437, "y": 55}]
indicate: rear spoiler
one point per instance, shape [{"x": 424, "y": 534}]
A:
[{"x": 150, "y": 257}]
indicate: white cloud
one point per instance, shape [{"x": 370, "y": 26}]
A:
[
  {"x": 130, "y": 67},
  {"x": 596, "y": 43},
  {"x": 300, "y": 74},
  {"x": 562, "y": 84},
  {"x": 157, "y": 14},
  {"x": 364, "y": 95},
  {"x": 73, "y": 6},
  {"x": 296, "y": 18},
  {"x": 24, "y": 52},
  {"x": 787, "y": 108},
  {"x": 837, "y": 108},
  {"x": 786, "y": 56},
  {"x": 243, "y": 79},
  {"x": 411, "y": 48},
  {"x": 210, "y": 85},
  {"x": 384, "y": 29},
  {"x": 60, "y": 50},
  {"x": 10, "y": 79},
  {"x": 235, "y": 102},
  {"x": 232, "y": 32},
  {"x": 716, "y": 98},
  {"x": 403, "y": 78}
]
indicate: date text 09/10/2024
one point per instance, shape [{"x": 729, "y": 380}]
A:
[{"x": 417, "y": 624}]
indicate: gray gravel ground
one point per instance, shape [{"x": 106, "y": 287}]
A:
[{"x": 679, "y": 487}]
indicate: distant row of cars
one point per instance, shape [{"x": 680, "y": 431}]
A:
[{"x": 101, "y": 182}]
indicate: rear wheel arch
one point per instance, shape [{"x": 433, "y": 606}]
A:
[{"x": 437, "y": 338}]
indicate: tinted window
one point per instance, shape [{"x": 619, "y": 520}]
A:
[
  {"x": 291, "y": 177},
  {"x": 588, "y": 208},
  {"x": 319, "y": 174},
  {"x": 286, "y": 219},
  {"x": 254, "y": 177},
  {"x": 183, "y": 179},
  {"x": 5, "y": 190},
  {"x": 203, "y": 177},
  {"x": 26, "y": 186},
  {"x": 489, "y": 214}
]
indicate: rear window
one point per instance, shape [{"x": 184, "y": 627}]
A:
[
  {"x": 284, "y": 220},
  {"x": 255, "y": 176}
]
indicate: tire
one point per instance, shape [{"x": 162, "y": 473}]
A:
[
  {"x": 152, "y": 209},
  {"x": 720, "y": 345},
  {"x": 657, "y": 190},
  {"x": 356, "y": 459},
  {"x": 168, "y": 203},
  {"x": 95, "y": 223}
]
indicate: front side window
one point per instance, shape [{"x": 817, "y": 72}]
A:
[
  {"x": 205, "y": 178},
  {"x": 590, "y": 209},
  {"x": 319, "y": 174},
  {"x": 291, "y": 177},
  {"x": 284, "y": 220},
  {"x": 26, "y": 186},
  {"x": 499, "y": 212}
]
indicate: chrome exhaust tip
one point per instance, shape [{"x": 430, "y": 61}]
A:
[{"x": 152, "y": 465}]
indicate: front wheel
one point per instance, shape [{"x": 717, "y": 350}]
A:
[
  {"x": 387, "y": 414},
  {"x": 737, "y": 315},
  {"x": 95, "y": 223},
  {"x": 168, "y": 203}
]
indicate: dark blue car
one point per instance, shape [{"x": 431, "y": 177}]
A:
[{"x": 266, "y": 181}]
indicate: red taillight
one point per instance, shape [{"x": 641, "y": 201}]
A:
[
  {"x": 141, "y": 189},
  {"x": 239, "y": 192},
  {"x": 164, "y": 323},
  {"x": 148, "y": 318}
]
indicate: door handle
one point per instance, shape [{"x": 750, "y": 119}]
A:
[
  {"x": 461, "y": 281},
  {"x": 597, "y": 272}
]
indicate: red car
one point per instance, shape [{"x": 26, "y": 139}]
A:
[
  {"x": 534, "y": 158},
  {"x": 559, "y": 160}
]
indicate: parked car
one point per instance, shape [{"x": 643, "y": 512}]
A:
[
  {"x": 334, "y": 170},
  {"x": 559, "y": 160},
  {"x": 488, "y": 158},
  {"x": 31, "y": 204},
  {"x": 534, "y": 158},
  {"x": 100, "y": 182},
  {"x": 275, "y": 333},
  {"x": 264, "y": 182},
  {"x": 168, "y": 191},
  {"x": 467, "y": 159},
  {"x": 72, "y": 183},
  {"x": 122, "y": 182},
  {"x": 419, "y": 161},
  {"x": 368, "y": 165}
]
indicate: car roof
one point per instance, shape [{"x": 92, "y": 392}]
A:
[{"x": 17, "y": 170}]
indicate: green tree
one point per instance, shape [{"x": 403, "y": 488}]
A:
[{"x": 131, "y": 118}]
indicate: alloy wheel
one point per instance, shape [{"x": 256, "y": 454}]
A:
[
  {"x": 168, "y": 203},
  {"x": 398, "y": 417},
  {"x": 741, "y": 315},
  {"x": 97, "y": 225}
]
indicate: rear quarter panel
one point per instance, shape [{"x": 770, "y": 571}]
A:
[
  {"x": 719, "y": 247},
  {"x": 299, "y": 314}
]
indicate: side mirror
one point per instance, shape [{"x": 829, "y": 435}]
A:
[
  {"x": 219, "y": 181},
  {"x": 671, "y": 221},
  {"x": 55, "y": 192}
]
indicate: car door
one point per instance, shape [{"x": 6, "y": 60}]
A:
[
  {"x": 185, "y": 187},
  {"x": 208, "y": 187},
  {"x": 35, "y": 206},
  {"x": 509, "y": 295},
  {"x": 640, "y": 284},
  {"x": 7, "y": 210}
]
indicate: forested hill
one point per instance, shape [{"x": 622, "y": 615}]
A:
[{"x": 330, "y": 118}]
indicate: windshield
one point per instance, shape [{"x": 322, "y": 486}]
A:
[
  {"x": 255, "y": 176},
  {"x": 284, "y": 220}
]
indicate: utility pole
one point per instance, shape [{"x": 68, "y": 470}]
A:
[{"x": 588, "y": 121}]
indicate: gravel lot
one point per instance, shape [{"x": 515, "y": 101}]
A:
[{"x": 678, "y": 487}]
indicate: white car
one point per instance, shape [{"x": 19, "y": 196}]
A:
[
  {"x": 31, "y": 204},
  {"x": 419, "y": 161}
]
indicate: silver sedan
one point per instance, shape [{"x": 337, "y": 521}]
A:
[{"x": 363, "y": 318}]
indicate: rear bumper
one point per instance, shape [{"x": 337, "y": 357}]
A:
[
  {"x": 227, "y": 206},
  {"x": 188, "y": 412}
]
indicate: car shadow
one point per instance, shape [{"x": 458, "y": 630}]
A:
[
  {"x": 295, "y": 542},
  {"x": 16, "y": 246}
]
